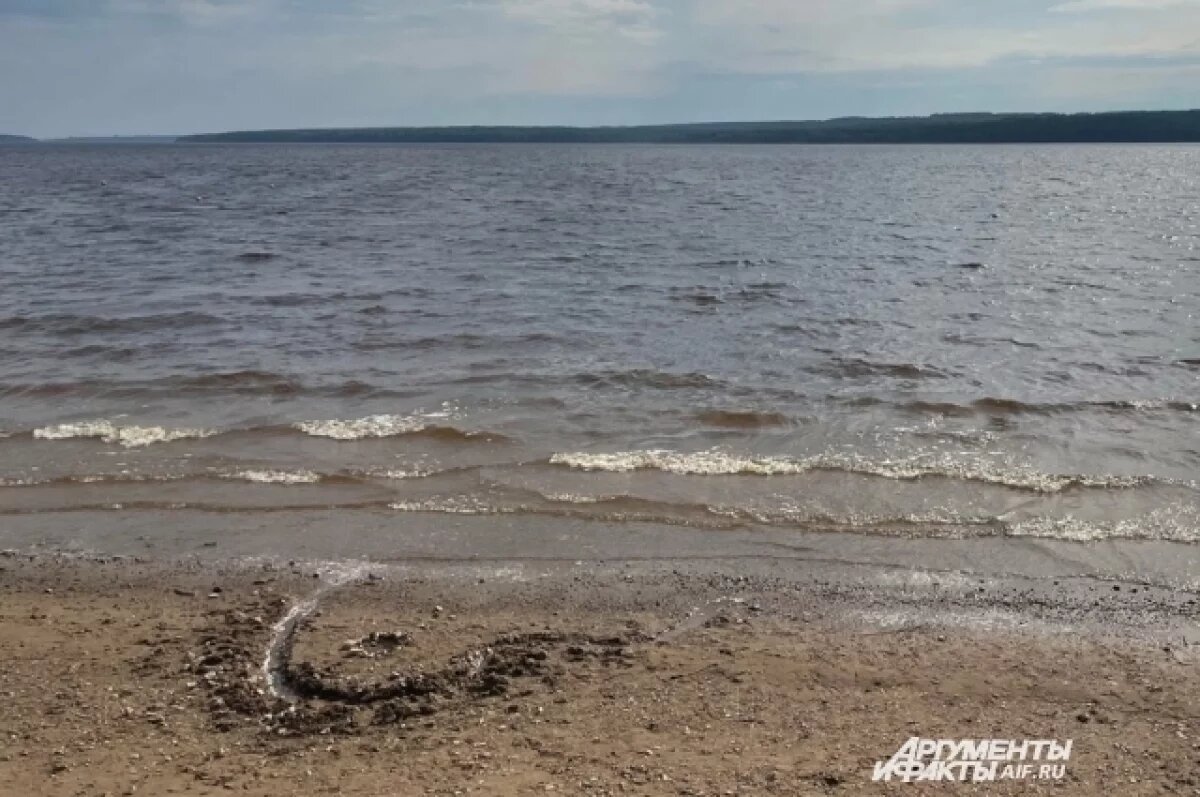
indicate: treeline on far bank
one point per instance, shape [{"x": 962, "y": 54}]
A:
[{"x": 975, "y": 128}]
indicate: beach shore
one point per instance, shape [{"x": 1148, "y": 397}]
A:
[{"x": 122, "y": 676}]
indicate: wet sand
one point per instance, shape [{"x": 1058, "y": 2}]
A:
[{"x": 123, "y": 676}]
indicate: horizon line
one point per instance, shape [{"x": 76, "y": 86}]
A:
[{"x": 611, "y": 126}]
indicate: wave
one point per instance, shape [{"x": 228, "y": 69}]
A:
[
  {"x": 126, "y": 436},
  {"x": 247, "y": 383},
  {"x": 706, "y": 295},
  {"x": 405, "y": 474},
  {"x": 705, "y": 463},
  {"x": 264, "y": 383},
  {"x": 380, "y": 426},
  {"x": 252, "y": 381},
  {"x": 277, "y": 476},
  {"x": 461, "y": 340},
  {"x": 457, "y": 505},
  {"x": 928, "y": 407},
  {"x": 1175, "y": 522},
  {"x": 631, "y": 509},
  {"x": 1172, "y": 524},
  {"x": 717, "y": 463},
  {"x": 42, "y": 389},
  {"x": 698, "y": 297},
  {"x": 359, "y": 428},
  {"x": 91, "y": 478},
  {"x": 1147, "y": 405},
  {"x": 734, "y": 419},
  {"x": 1180, "y": 525},
  {"x": 371, "y": 427},
  {"x": 843, "y": 367},
  {"x": 646, "y": 377},
  {"x": 196, "y": 506},
  {"x": 263, "y": 475},
  {"x": 611, "y": 509},
  {"x": 1006, "y": 406},
  {"x": 342, "y": 477},
  {"x": 72, "y": 324}
]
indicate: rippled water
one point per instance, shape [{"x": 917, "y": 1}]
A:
[{"x": 895, "y": 340}]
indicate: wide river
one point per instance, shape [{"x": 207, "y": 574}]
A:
[{"x": 922, "y": 341}]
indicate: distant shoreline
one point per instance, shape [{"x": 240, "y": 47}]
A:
[
  {"x": 1117, "y": 127},
  {"x": 978, "y": 128}
]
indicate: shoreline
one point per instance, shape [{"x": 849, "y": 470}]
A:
[{"x": 661, "y": 677}]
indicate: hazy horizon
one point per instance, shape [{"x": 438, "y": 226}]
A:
[
  {"x": 176, "y": 67},
  {"x": 569, "y": 124}
]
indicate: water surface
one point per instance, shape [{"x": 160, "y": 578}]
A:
[{"x": 921, "y": 341}]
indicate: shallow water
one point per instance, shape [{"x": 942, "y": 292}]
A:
[{"x": 941, "y": 341}]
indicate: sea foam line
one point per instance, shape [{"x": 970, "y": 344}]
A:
[
  {"x": 360, "y": 428},
  {"x": 718, "y": 463},
  {"x": 276, "y": 476},
  {"x": 109, "y": 432}
]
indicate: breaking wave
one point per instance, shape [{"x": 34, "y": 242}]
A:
[
  {"x": 458, "y": 505},
  {"x": 1171, "y": 523},
  {"x": 127, "y": 436},
  {"x": 378, "y": 426},
  {"x": 718, "y": 463},
  {"x": 359, "y": 428},
  {"x": 1176, "y": 523},
  {"x": 704, "y": 463},
  {"x": 262, "y": 475},
  {"x": 277, "y": 476}
]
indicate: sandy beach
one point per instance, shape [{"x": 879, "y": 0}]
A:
[{"x": 124, "y": 677}]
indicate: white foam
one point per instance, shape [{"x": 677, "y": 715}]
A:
[
  {"x": 360, "y": 428},
  {"x": 277, "y": 476},
  {"x": 703, "y": 463},
  {"x": 1173, "y": 523},
  {"x": 938, "y": 523},
  {"x": 571, "y": 498},
  {"x": 92, "y": 478},
  {"x": 109, "y": 432},
  {"x": 400, "y": 474},
  {"x": 457, "y": 505},
  {"x": 714, "y": 462}
]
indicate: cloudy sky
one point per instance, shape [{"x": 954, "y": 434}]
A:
[{"x": 71, "y": 67}]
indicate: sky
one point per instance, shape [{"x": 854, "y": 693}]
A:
[{"x": 120, "y": 67}]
